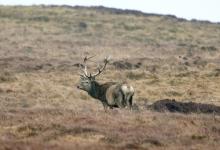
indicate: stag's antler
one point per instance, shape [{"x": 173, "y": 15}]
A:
[
  {"x": 106, "y": 61},
  {"x": 85, "y": 73}
]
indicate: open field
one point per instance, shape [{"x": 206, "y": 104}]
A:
[{"x": 163, "y": 57}]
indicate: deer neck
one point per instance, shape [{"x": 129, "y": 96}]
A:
[{"x": 96, "y": 90}]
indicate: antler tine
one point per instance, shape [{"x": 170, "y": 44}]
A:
[
  {"x": 84, "y": 71},
  {"x": 106, "y": 61},
  {"x": 85, "y": 66},
  {"x": 87, "y": 58}
]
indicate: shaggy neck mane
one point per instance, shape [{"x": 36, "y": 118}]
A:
[{"x": 98, "y": 90}]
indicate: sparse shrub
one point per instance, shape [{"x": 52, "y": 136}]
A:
[
  {"x": 175, "y": 82},
  {"x": 7, "y": 77},
  {"x": 173, "y": 30},
  {"x": 98, "y": 25},
  {"x": 139, "y": 120},
  {"x": 198, "y": 137},
  {"x": 127, "y": 65},
  {"x": 152, "y": 68},
  {"x": 200, "y": 62},
  {"x": 135, "y": 76},
  {"x": 122, "y": 65},
  {"x": 209, "y": 48},
  {"x": 182, "y": 44},
  {"x": 131, "y": 146},
  {"x": 40, "y": 18},
  {"x": 112, "y": 139},
  {"x": 28, "y": 49},
  {"x": 136, "y": 38},
  {"x": 186, "y": 74},
  {"x": 172, "y": 93},
  {"x": 131, "y": 27},
  {"x": 154, "y": 79},
  {"x": 24, "y": 103},
  {"x": 152, "y": 141},
  {"x": 83, "y": 25},
  {"x": 183, "y": 68},
  {"x": 29, "y": 130},
  {"x": 215, "y": 73}
]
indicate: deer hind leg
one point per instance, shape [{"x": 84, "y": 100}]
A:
[
  {"x": 129, "y": 101},
  {"x": 120, "y": 101},
  {"x": 127, "y": 97}
]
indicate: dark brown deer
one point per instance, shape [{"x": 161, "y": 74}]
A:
[{"x": 111, "y": 94}]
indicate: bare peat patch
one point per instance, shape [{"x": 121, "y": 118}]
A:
[{"x": 189, "y": 107}]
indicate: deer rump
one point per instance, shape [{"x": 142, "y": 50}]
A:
[{"x": 118, "y": 95}]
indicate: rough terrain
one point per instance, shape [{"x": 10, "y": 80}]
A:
[{"x": 163, "y": 57}]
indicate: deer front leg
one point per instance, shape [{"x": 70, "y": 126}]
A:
[{"x": 105, "y": 106}]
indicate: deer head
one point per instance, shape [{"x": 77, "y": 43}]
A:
[{"x": 87, "y": 80}]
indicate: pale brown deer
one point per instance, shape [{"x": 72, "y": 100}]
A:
[{"x": 111, "y": 94}]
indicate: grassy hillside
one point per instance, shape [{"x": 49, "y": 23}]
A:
[
  {"x": 161, "y": 56},
  {"x": 164, "y": 51},
  {"x": 51, "y": 32}
]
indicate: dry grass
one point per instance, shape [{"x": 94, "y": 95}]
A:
[
  {"x": 41, "y": 108},
  {"x": 118, "y": 129}
]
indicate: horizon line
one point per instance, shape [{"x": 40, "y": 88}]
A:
[{"x": 116, "y": 8}]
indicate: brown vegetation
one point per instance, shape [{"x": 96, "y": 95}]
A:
[
  {"x": 163, "y": 57},
  {"x": 190, "y": 107}
]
